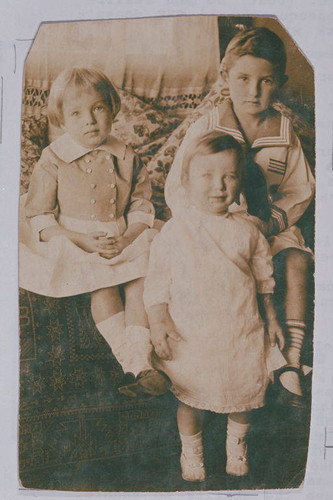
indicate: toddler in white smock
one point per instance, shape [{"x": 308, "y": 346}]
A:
[
  {"x": 206, "y": 268},
  {"x": 87, "y": 222}
]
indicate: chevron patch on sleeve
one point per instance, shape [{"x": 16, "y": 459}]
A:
[{"x": 276, "y": 166}]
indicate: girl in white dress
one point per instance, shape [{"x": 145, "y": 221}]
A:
[
  {"x": 206, "y": 268},
  {"x": 87, "y": 221}
]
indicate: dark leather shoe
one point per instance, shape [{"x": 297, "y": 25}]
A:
[
  {"x": 151, "y": 382},
  {"x": 286, "y": 398}
]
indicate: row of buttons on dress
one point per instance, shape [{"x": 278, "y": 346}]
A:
[{"x": 93, "y": 186}]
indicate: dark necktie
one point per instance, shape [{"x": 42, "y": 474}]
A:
[{"x": 255, "y": 188}]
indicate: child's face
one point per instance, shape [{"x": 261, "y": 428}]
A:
[
  {"x": 213, "y": 181},
  {"x": 252, "y": 84},
  {"x": 87, "y": 117}
]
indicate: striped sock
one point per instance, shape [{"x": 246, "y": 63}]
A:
[{"x": 296, "y": 331}]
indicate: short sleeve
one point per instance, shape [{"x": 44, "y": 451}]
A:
[
  {"x": 158, "y": 279},
  {"x": 140, "y": 208},
  {"x": 41, "y": 205},
  {"x": 262, "y": 265}
]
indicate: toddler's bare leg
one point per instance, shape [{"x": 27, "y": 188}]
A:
[
  {"x": 190, "y": 431},
  {"x": 189, "y": 420}
]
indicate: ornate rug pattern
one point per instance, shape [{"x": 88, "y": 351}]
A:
[{"x": 77, "y": 433}]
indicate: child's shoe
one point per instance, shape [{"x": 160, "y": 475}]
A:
[
  {"x": 191, "y": 458},
  {"x": 126, "y": 379},
  {"x": 237, "y": 463},
  {"x": 151, "y": 382},
  {"x": 193, "y": 468}
]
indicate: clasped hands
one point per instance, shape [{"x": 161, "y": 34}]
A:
[{"x": 106, "y": 246}]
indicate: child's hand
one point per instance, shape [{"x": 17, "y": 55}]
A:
[
  {"x": 92, "y": 242},
  {"x": 160, "y": 332},
  {"x": 114, "y": 246},
  {"x": 275, "y": 333}
]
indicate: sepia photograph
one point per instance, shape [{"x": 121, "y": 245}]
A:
[
  {"x": 166, "y": 256},
  {"x": 159, "y": 352},
  {"x": 165, "y": 193}
]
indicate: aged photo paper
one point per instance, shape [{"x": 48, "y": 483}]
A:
[{"x": 72, "y": 422}]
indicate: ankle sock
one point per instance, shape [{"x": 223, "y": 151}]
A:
[
  {"x": 192, "y": 444},
  {"x": 192, "y": 459},
  {"x": 237, "y": 429},
  {"x": 237, "y": 464}
]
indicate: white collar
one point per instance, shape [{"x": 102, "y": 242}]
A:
[
  {"x": 68, "y": 150},
  {"x": 275, "y": 131}
]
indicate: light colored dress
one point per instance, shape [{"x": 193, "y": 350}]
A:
[
  {"x": 208, "y": 269},
  {"x": 104, "y": 189}
]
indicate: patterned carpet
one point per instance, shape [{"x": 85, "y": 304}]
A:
[{"x": 76, "y": 433}]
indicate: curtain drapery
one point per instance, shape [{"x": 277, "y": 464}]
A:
[{"x": 163, "y": 58}]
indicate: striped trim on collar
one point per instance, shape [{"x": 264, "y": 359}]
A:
[
  {"x": 225, "y": 114},
  {"x": 283, "y": 139},
  {"x": 214, "y": 123}
]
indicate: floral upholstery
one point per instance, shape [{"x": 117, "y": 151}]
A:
[
  {"x": 33, "y": 140},
  {"x": 153, "y": 134}
]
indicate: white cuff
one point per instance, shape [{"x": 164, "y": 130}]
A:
[
  {"x": 40, "y": 222},
  {"x": 152, "y": 299},
  {"x": 139, "y": 216}
]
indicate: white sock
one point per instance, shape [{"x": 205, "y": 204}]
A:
[
  {"x": 237, "y": 464},
  {"x": 296, "y": 331},
  {"x": 237, "y": 429},
  {"x": 192, "y": 445},
  {"x": 139, "y": 348},
  {"x": 113, "y": 331},
  {"x": 192, "y": 458}
]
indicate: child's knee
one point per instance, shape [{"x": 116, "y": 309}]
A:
[
  {"x": 297, "y": 262},
  {"x": 105, "y": 302}
]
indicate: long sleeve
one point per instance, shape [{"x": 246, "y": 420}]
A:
[
  {"x": 41, "y": 204},
  {"x": 174, "y": 191},
  {"x": 261, "y": 265},
  {"x": 295, "y": 191},
  {"x": 140, "y": 208},
  {"x": 158, "y": 278}
]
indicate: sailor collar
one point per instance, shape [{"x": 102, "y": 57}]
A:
[
  {"x": 274, "y": 131},
  {"x": 68, "y": 150}
]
